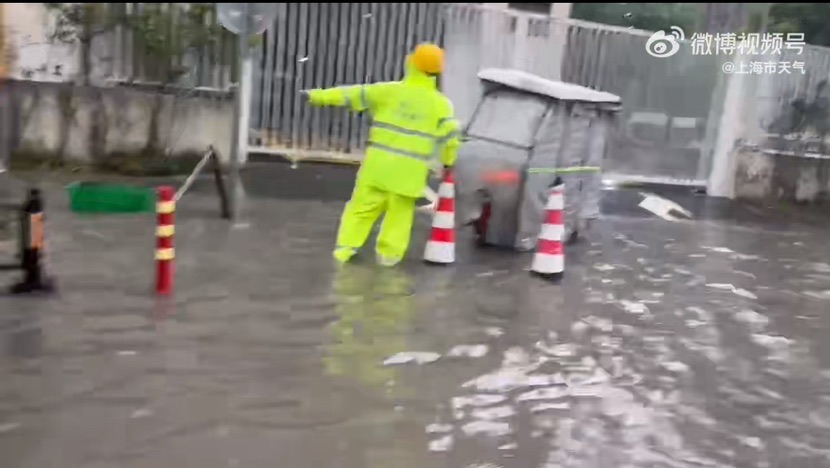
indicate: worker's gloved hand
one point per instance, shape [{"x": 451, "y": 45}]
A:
[
  {"x": 441, "y": 171},
  {"x": 312, "y": 96},
  {"x": 438, "y": 172}
]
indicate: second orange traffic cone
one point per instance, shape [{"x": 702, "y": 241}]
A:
[{"x": 549, "y": 259}]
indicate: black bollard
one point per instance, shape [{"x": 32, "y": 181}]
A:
[{"x": 32, "y": 247}]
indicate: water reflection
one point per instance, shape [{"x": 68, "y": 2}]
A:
[
  {"x": 374, "y": 307},
  {"x": 24, "y": 335}
]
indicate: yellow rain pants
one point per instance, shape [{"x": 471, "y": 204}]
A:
[{"x": 367, "y": 204}]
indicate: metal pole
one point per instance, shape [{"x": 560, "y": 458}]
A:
[{"x": 239, "y": 141}]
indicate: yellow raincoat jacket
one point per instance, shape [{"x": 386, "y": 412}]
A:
[{"x": 413, "y": 128}]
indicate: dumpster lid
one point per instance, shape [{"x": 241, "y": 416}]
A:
[{"x": 531, "y": 83}]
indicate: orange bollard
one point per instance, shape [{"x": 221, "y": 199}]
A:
[{"x": 165, "y": 229}]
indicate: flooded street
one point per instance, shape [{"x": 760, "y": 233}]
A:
[{"x": 668, "y": 344}]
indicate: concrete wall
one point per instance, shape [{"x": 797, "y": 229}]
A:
[
  {"x": 29, "y": 53},
  {"x": 763, "y": 174},
  {"x": 773, "y": 139},
  {"x": 58, "y": 120}
]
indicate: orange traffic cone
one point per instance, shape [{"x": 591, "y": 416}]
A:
[
  {"x": 440, "y": 247},
  {"x": 549, "y": 260}
]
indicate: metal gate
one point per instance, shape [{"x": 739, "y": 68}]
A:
[{"x": 324, "y": 44}]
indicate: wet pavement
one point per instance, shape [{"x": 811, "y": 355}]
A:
[{"x": 669, "y": 344}]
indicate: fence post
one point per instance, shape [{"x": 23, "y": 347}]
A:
[{"x": 224, "y": 204}]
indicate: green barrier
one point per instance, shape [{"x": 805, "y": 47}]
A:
[{"x": 92, "y": 197}]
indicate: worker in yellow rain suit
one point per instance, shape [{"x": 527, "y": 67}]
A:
[{"x": 413, "y": 128}]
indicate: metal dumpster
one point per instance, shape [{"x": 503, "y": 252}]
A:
[{"x": 525, "y": 132}]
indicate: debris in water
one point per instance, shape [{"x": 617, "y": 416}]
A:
[
  {"x": 541, "y": 407},
  {"x": 676, "y": 366},
  {"x": 491, "y": 428},
  {"x": 416, "y": 357},
  {"x": 751, "y": 317},
  {"x": 437, "y": 428},
  {"x": 8, "y": 427},
  {"x": 471, "y": 351},
  {"x": 496, "y": 412},
  {"x": 579, "y": 328},
  {"x": 744, "y": 293},
  {"x": 544, "y": 380},
  {"x": 494, "y": 332},
  {"x": 604, "y": 325},
  {"x": 664, "y": 208},
  {"x": 127, "y": 352},
  {"x": 441, "y": 445},
  {"x": 141, "y": 413},
  {"x": 303, "y": 59},
  {"x": 477, "y": 401},
  {"x": 818, "y": 267},
  {"x": 753, "y": 442},
  {"x": 718, "y": 249},
  {"x": 562, "y": 350},
  {"x": 633, "y": 307},
  {"x": 515, "y": 356},
  {"x": 543, "y": 394},
  {"x": 604, "y": 267},
  {"x": 728, "y": 287},
  {"x": 510, "y": 446},
  {"x": 93, "y": 234},
  {"x": 502, "y": 380},
  {"x": 818, "y": 294},
  {"x": 771, "y": 341}
]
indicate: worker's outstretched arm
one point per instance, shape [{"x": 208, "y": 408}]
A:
[
  {"x": 357, "y": 98},
  {"x": 449, "y": 131}
]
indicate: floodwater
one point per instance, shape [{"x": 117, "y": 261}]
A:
[{"x": 668, "y": 344}]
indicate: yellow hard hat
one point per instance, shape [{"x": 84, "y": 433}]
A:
[{"x": 428, "y": 58}]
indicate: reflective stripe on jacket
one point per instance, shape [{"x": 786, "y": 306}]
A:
[{"x": 413, "y": 128}]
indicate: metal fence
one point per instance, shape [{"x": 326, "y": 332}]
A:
[
  {"x": 666, "y": 100},
  {"x": 325, "y": 44}
]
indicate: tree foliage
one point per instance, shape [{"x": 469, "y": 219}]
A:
[
  {"x": 168, "y": 33},
  {"x": 808, "y": 18},
  {"x": 163, "y": 34},
  {"x": 81, "y": 23}
]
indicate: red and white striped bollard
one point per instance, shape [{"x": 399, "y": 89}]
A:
[{"x": 165, "y": 230}]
